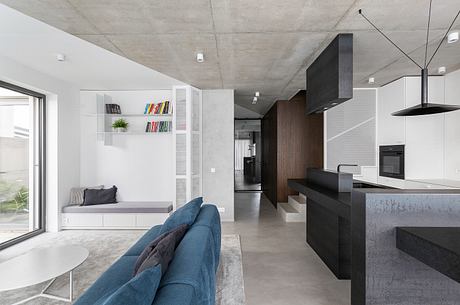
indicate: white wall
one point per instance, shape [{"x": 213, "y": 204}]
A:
[
  {"x": 452, "y": 127},
  {"x": 63, "y": 132},
  {"x": 218, "y": 145},
  {"x": 139, "y": 165}
]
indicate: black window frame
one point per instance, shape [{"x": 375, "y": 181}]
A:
[{"x": 41, "y": 167}]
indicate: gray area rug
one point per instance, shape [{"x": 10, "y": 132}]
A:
[{"x": 105, "y": 247}]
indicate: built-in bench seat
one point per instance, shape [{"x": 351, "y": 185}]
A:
[{"x": 122, "y": 215}]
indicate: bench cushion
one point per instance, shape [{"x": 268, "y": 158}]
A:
[{"x": 122, "y": 207}]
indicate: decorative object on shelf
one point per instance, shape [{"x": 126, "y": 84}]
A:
[
  {"x": 160, "y": 108},
  {"x": 161, "y": 126},
  {"x": 120, "y": 125},
  {"x": 112, "y": 109},
  {"x": 425, "y": 107}
]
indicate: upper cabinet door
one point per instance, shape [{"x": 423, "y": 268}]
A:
[{"x": 391, "y": 129}]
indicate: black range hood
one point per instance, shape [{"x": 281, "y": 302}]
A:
[{"x": 425, "y": 107}]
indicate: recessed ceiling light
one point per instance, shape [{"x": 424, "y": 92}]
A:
[
  {"x": 333, "y": 104},
  {"x": 452, "y": 37},
  {"x": 200, "y": 57},
  {"x": 60, "y": 57},
  {"x": 254, "y": 99},
  {"x": 371, "y": 80},
  {"x": 441, "y": 70},
  {"x": 257, "y": 93},
  {"x": 325, "y": 108}
]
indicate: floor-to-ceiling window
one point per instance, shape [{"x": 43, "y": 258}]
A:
[{"x": 22, "y": 211}]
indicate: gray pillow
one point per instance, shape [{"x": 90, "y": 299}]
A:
[
  {"x": 160, "y": 251},
  {"x": 104, "y": 196},
  {"x": 77, "y": 193}
]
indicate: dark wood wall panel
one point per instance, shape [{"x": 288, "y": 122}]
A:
[
  {"x": 289, "y": 148},
  {"x": 269, "y": 145}
]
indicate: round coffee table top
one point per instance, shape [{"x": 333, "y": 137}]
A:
[{"x": 40, "y": 265}]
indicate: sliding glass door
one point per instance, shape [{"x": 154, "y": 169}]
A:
[{"x": 21, "y": 164}]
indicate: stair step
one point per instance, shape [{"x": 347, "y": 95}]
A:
[
  {"x": 290, "y": 214},
  {"x": 298, "y": 203},
  {"x": 303, "y": 196}
]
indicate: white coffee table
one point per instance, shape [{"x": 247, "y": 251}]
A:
[{"x": 40, "y": 265}]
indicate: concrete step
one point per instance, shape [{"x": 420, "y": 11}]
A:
[
  {"x": 303, "y": 196},
  {"x": 299, "y": 203},
  {"x": 289, "y": 214}
]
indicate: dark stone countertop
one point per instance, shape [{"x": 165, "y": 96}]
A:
[{"x": 437, "y": 247}]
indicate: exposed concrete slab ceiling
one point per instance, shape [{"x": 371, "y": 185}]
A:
[{"x": 252, "y": 45}]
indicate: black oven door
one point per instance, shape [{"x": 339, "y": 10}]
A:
[{"x": 392, "y": 161}]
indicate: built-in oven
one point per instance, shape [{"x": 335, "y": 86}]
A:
[{"x": 391, "y": 162}]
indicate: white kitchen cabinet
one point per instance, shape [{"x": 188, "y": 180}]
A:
[
  {"x": 391, "y": 98},
  {"x": 424, "y": 153}
]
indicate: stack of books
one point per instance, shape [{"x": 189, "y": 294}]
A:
[
  {"x": 112, "y": 109},
  {"x": 161, "y": 126},
  {"x": 159, "y": 108}
]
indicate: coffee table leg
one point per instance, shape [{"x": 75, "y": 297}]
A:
[
  {"x": 43, "y": 293},
  {"x": 71, "y": 285}
]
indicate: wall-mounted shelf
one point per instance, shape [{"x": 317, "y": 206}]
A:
[
  {"x": 105, "y": 120},
  {"x": 127, "y": 133}
]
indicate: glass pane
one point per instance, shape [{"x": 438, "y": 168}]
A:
[
  {"x": 196, "y": 153},
  {"x": 181, "y": 152},
  {"x": 195, "y": 110},
  {"x": 181, "y": 109},
  {"x": 18, "y": 154},
  {"x": 181, "y": 192}
]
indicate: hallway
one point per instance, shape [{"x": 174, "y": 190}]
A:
[{"x": 279, "y": 267}]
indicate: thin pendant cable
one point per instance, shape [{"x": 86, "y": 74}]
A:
[
  {"x": 383, "y": 34},
  {"x": 428, "y": 34},
  {"x": 444, "y": 37}
]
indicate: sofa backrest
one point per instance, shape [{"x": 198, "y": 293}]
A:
[{"x": 194, "y": 264}]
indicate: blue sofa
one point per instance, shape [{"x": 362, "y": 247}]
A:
[{"x": 191, "y": 276}]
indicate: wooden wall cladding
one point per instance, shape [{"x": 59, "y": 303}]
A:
[{"x": 291, "y": 142}]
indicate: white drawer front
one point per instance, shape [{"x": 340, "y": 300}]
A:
[
  {"x": 119, "y": 220},
  {"x": 82, "y": 220},
  {"x": 150, "y": 220}
]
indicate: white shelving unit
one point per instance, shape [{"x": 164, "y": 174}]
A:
[
  {"x": 105, "y": 120},
  {"x": 187, "y": 138}
]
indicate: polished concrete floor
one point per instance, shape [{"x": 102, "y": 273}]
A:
[
  {"x": 241, "y": 184},
  {"x": 279, "y": 267}
]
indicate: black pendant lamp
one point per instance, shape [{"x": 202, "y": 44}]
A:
[{"x": 425, "y": 107}]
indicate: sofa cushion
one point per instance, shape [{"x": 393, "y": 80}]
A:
[
  {"x": 116, "y": 276},
  {"x": 143, "y": 242},
  {"x": 77, "y": 194},
  {"x": 194, "y": 264},
  {"x": 103, "y": 196},
  {"x": 140, "y": 290},
  {"x": 175, "y": 294},
  {"x": 209, "y": 217},
  {"x": 160, "y": 251},
  {"x": 184, "y": 215}
]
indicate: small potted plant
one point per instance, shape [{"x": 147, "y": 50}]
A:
[{"x": 120, "y": 125}]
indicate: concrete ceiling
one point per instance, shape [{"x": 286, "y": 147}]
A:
[{"x": 252, "y": 45}]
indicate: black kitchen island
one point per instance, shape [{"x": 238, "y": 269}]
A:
[
  {"x": 328, "y": 222},
  {"x": 354, "y": 232},
  {"x": 328, "y": 225}
]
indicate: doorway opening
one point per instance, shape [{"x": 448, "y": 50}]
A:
[{"x": 248, "y": 155}]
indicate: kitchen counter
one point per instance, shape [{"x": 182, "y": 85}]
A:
[
  {"x": 437, "y": 247},
  {"x": 438, "y": 182}
]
